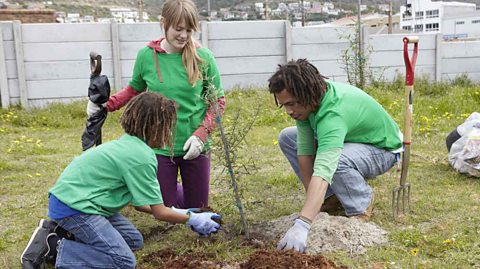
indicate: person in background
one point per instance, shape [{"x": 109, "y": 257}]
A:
[
  {"x": 342, "y": 138},
  {"x": 179, "y": 68},
  {"x": 87, "y": 197}
]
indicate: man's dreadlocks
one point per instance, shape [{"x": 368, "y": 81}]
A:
[
  {"x": 150, "y": 117},
  {"x": 302, "y": 80}
]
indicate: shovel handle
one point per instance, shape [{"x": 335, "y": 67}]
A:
[
  {"x": 95, "y": 63},
  {"x": 407, "y": 133},
  {"x": 407, "y": 127},
  {"x": 410, "y": 63}
]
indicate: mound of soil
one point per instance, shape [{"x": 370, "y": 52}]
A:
[
  {"x": 263, "y": 259},
  {"x": 328, "y": 233}
]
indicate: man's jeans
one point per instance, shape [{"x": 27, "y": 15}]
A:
[
  {"x": 100, "y": 242},
  {"x": 357, "y": 163}
]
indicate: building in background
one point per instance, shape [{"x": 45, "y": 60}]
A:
[
  {"x": 464, "y": 26},
  {"x": 128, "y": 15},
  {"x": 369, "y": 20},
  {"x": 73, "y": 18},
  {"x": 28, "y": 15},
  {"x": 423, "y": 16}
]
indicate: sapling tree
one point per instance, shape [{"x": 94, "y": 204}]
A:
[
  {"x": 230, "y": 143},
  {"x": 355, "y": 59}
]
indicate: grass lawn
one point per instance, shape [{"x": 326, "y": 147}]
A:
[{"x": 441, "y": 231}]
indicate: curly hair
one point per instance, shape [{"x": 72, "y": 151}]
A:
[
  {"x": 150, "y": 117},
  {"x": 302, "y": 80}
]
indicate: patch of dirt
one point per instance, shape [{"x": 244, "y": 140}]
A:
[
  {"x": 328, "y": 233},
  {"x": 263, "y": 259},
  {"x": 168, "y": 259}
]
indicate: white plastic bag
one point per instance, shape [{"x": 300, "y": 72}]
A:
[{"x": 464, "y": 154}]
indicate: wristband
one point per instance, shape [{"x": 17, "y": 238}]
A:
[{"x": 305, "y": 219}]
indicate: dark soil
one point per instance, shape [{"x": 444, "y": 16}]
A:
[
  {"x": 264, "y": 259},
  {"x": 261, "y": 259}
]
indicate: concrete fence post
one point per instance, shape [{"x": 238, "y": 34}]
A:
[
  {"x": 438, "y": 58},
  {"x": 117, "y": 65},
  {"x": 365, "y": 41},
  {"x": 4, "y": 91},
  {"x": 22, "y": 81},
  {"x": 204, "y": 32},
  {"x": 288, "y": 41}
]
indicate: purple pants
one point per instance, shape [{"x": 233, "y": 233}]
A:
[{"x": 195, "y": 174}]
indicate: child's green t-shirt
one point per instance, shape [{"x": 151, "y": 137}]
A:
[{"x": 103, "y": 180}]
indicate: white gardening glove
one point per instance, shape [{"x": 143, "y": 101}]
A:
[
  {"x": 194, "y": 145},
  {"x": 204, "y": 223},
  {"x": 296, "y": 237},
  {"x": 92, "y": 108},
  {"x": 185, "y": 211}
]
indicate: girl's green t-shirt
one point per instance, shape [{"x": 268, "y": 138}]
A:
[{"x": 175, "y": 86}]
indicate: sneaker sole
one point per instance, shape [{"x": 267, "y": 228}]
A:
[{"x": 40, "y": 225}]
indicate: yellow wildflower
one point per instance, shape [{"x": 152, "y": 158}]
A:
[{"x": 449, "y": 241}]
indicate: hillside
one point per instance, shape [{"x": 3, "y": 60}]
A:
[{"x": 99, "y": 8}]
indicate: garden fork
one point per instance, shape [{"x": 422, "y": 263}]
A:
[{"x": 401, "y": 193}]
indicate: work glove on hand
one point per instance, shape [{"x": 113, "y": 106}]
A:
[
  {"x": 296, "y": 237},
  {"x": 92, "y": 108},
  {"x": 194, "y": 145},
  {"x": 203, "y": 223},
  {"x": 185, "y": 211}
]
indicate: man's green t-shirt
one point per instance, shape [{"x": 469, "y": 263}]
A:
[
  {"x": 175, "y": 86},
  {"x": 105, "y": 179},
  {"x": 346, "y": 115}
]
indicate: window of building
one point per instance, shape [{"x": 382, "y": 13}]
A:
[
  {"x": 419, "y": 15},
  {"x": 406, "y": 17},
  {"x": 419, "y": 28},
  {"x": 431, "y": 13},
  {"x": 408, "y": 28},
  {"x": 430, "y": 27},
  {"x": 475, "y": 21},
  {"x": 459, "y": 22}
]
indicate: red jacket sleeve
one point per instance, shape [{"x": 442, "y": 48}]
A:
[
  {"x": 118, "y": 100},
  {"x": 209, "y": 123}
]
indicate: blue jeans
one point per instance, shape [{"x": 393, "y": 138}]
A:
[
  {"x": 357, "y": 163},
  {"x": 100, "y": 242}
]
